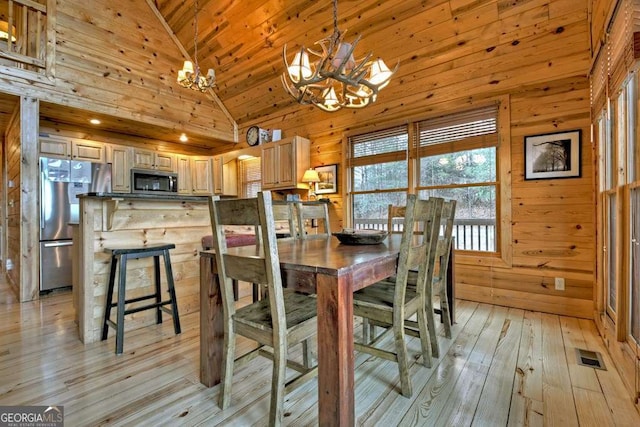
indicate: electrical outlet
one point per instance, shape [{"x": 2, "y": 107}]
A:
[{"x": 559, "y": 284}]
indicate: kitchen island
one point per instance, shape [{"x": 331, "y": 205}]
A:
[{"x": 119, "y": 219}]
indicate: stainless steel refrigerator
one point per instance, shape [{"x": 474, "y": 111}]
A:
[{"x": 60, "y": 183}]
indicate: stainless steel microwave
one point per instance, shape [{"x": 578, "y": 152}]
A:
[{"x": 153, "y": 182}]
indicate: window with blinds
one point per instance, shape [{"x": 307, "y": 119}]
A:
[
  {"x": 457, "y": 159},
  {"x": 250, "y": 177},
  {"x": 452, "y": 156},
  {"x": 379, "y": 174},
  {"x": 474, "y": 129}
]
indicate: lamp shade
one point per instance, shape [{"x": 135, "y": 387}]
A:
[
  {"x": 300, "y": 68},
  {"x": 380, "y": 73},
  {"x": 310, "y": 176}
]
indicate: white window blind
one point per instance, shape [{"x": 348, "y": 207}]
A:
[
  {"x": 383, "y": 145},
  {"x": 479, "y": 128},
  {"x": 250, "y": 177}
]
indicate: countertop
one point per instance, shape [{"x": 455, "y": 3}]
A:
[{"x": 138, "y": 196}]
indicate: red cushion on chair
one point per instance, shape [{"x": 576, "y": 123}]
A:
[{"x": 233, "y": 240}]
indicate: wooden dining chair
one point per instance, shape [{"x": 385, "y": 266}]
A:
[
  {"x": 390, "y": 303},
  {"x": 443, "y": 252},
  {"x": 313, "y": 211},
  {"x": 285, "y": 211},
  {"x": 395, "y": 213},
  {"x": 280, "y": 321}
]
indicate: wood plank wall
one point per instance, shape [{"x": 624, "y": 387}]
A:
[
  {"x": 116, "y": 58},
  {"x": 538, "y": 53},
  {"x": 140, "y": 222},
  {"x": 11, "y": 164},
  {"x": 21, "y": 202},
  {"x": 601, "y": 12}
]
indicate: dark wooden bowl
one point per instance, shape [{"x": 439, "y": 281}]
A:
[{"x": 361, "y": 237}]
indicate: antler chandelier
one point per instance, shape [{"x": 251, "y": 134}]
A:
[
  {"x": 334, "y": 79},
  {"x": 190, "y": 77}
]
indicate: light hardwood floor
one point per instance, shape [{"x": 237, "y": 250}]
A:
[{"x": 501, "y": 367}]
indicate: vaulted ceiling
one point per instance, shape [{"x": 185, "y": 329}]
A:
[
  {"x": 243, "y": 40},
  {"x": 493, "y": 46}
]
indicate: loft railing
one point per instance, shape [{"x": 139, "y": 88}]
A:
[
  {"x": 27, "y": 36},
  {"x": 470, "y": 234}
]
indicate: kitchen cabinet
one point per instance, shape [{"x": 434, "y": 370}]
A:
[
  {"x": 194, "y": 175},
  {"x": 183, "y": 167},
  {"x": 149, "y": 159},
  {"x": 73, "y": 149},
  {"x": 201, "y": 175},
  {"x": 284, "y": 163},
  {"x": 120, "y": 159},
  {"x": 225, "y": 176}
]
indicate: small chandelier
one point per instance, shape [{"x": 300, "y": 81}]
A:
[
  {"x": 190, "y": 77},
  {"x": 335, "y": 79}
]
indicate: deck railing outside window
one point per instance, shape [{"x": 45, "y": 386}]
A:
[{"x": 469, "y": 234}]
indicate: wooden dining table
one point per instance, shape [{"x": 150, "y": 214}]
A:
[{"x": 333, "y": 271}]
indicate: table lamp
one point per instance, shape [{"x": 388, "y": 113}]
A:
[{"x": 310, "y": 177}]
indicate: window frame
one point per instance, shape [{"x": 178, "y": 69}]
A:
[{"x": 502, "y": 258}]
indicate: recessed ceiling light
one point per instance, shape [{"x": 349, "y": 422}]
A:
[
  {"x": 184, "y": 138},
  {"x": 94, "y": 121}
]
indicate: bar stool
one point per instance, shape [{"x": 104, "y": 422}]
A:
[{"x": 123, "y": 254}]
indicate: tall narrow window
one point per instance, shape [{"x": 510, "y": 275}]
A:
[
  {"x": 379, "y": 175},
  {"x": 458, "y": 160},
  {"x": 634, "y": 272},
  {"x": 250, "y": 176},
  {"x": 632, "y": 146},
  {"x": 610, "y": 261}
]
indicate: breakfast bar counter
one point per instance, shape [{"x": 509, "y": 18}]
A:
[{"x": 119, "y": 219}]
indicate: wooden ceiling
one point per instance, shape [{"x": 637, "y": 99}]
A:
[
  {"x": 486, "y": 43},
  {"x": 60, "y": 116},
  {"x": 243, "y": 40}
]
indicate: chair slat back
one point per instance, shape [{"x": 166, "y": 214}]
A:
[
  {"x": 443, "y": 250},
  {"x": 285, "y": 211},
  {"x": 418, "y": 250},
  {"x": 261, "y": 266},
  {"x": 313, "y": 211},
  {"x": 395, "y": 212}
]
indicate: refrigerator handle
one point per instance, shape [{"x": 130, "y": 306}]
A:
[
  {"x": 57, "y": 244},
  {"x": 42, "y": 177}
]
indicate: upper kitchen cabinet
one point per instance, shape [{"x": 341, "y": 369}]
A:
[
  {"x": 74, "y": 149},
  {"x": 284, "y": 163},
  {"x": 149, "y": 159},
  {"x": 194, "y": 175},
  {"x": 201, "y": 176},
  {"x": 120, "y": 159},
  {"x": 183, "y": 167},
  {"x": 225, "y": 176}
]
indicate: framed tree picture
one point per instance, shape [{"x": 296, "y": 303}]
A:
[
  {"x": 552, "y": 155},
  {"x": 328, "y": 179}
]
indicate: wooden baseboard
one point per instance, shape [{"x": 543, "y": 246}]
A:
[{"x": 524, "y": 300}]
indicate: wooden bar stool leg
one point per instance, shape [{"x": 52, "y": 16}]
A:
[
  {"x": 109, "y": 296},
  {"x": 172, "y": 292},
  {"x": 122, "y": 281},
  {"x": 235, "y": 289},
  {"x": 156, "y": 273},
  {"x": 256, "y": 292}
]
